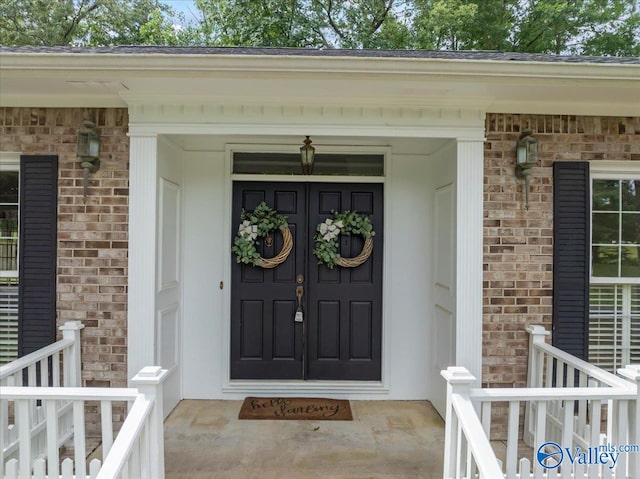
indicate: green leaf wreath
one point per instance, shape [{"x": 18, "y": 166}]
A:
[
  {"x": 253, "y": 225},
  {"x": 326, "y": 238}
]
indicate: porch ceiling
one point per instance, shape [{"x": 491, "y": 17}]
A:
[{"x": 85, "y": 79}]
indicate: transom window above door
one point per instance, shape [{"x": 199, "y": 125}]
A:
[{"x": 324, "y": 164}]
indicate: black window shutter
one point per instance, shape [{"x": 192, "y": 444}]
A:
[
  {"x": 571, "y": 236},
  {"x": 37, "y": 252}
]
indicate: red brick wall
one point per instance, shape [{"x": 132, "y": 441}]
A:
[
  {"x": 517, "y": 242},
  {"x": 92, "y": 238}
]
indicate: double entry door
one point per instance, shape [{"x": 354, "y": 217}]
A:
[{"x": 340, "y": 335}]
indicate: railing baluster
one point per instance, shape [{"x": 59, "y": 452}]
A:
[
  {"x": 567, "y": 433},
  {"x": 622, "y": 436},
  {"x": 134, "y": 460},
  {"x": 548, "y": 380},
  {"x": 53, "y": 454},
  {"x": 459, "y": 450},
  {"x": 541, "y": 421},
  {"x": 145, "y": 452},
  {"x": 107, "y": 427},
  {"x": 512, "y": 439},
  {"x": 4, "y": 428},
  {"x": 23, "y": 421},
  {"x": 595, "y": 414},
  {"x": 486, "y": 417},
  {"x": 31, "y": 375},
  {"x": 582, "y": 404},
  {"x": 79, "y": 438},
  {"x": 571, "y": 376},
  {"x": 55, "y": 366},
  {"x": 44, "y": 372}
]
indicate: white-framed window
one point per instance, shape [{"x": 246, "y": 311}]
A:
[
  {"x": 9, "y": 244},
  {"x": 614, "y": 293}
]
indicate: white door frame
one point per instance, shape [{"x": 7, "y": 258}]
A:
[{"x": 294, "y": 387}]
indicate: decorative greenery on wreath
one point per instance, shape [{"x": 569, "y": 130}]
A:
[
  {"x": 259, "y": 224},
  {"x": 348, "y": 223}
]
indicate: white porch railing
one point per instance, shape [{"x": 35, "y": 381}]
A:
[
  {"x": 42, "y": 410},
  {"x": 138, "y": 449},
  {"x": 568, "y": 402},
  {"x": 55, "y": 365}
]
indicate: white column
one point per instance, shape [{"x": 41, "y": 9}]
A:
[
  {"x": 143, "y": 206},
  {"x": 469, "y": 238}
]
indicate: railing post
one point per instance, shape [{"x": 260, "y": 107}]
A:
[
  {"x": 632, "y": 373},
  {"x": 459, "y": 381},
  {"x": 149, "y": 382},
  {"x": 537, "y": 335},
  {"x": 535, "y": 370},
  {"x": 72, "y": 359}
]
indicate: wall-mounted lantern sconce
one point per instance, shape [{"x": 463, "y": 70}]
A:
[
  {"x": 307, "y": 154},
  {"x": 88, "y": 150},
  {"x": 526, "y": 159}
]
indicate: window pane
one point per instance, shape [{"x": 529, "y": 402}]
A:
[
  {"x": 8, "y": 187},
  {"x": 605, "y": 228},
  {"x": 604, "y": 261},
  {"x": 606, "y": 195},
  {"x": 8, "y": 221},
  {"x": 629, "y": 266},
  {"x": 8, "y": 238},
  {"x": 631, "y": 195},
  {"x": 630, "y": 228}
]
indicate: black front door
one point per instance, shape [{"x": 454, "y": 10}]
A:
[{"x": 341, "y": 333}]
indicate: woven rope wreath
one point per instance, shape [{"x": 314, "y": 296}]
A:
[
  {"x": 326, "y": 239},
  {"x": 259, "y": 224}
]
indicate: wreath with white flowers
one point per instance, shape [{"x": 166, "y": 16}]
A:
[
  {"x": 259, "y": 224},
  {"x": 326, "y": 238}
]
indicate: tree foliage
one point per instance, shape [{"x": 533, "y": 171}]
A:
[
  {"x": 596, "y": 27},
  {"x": 85, "y": 22},
  {"x": 593, "y": 27}
]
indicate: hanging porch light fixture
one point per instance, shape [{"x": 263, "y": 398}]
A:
[{"x": 307, "y": 155}]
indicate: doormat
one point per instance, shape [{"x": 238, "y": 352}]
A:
[{"x": 313, "y": 409}]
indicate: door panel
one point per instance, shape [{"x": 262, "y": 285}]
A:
[
  {"x": 265, "y": 341},
  {"x": 340, "y": 338},
  {"x": 344, "y": 305}
]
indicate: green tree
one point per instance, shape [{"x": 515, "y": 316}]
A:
[
  {"x": 84, "y": 22},
  {"x": 302, "y": 23},
  {"x": 592, "y": 27},
  {"x": 444, "y": 24}
]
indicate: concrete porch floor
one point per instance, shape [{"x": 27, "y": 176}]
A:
[{"x": 386, "y": 439}]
